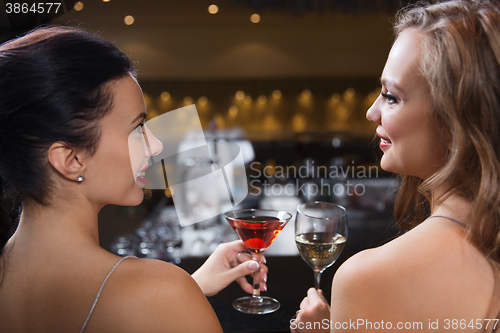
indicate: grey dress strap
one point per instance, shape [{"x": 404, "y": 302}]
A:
[
  {"x": 451, "y": 219},
  {"x": 100, "y": 290}
]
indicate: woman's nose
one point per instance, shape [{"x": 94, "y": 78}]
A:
[
  {"x": 373, "y": 114},
  {"x": 154, "y": 145}
]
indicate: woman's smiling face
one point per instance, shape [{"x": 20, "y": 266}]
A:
[
  {"x": 125, "y": 145},
  {"x": 411, "y": 141}
]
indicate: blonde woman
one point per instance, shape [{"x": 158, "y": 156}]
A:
[{"x": 438, "y": 120}]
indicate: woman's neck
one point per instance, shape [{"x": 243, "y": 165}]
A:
[
  {"x": 62, "y": 221},
  {"x": 452, "y": 205}
]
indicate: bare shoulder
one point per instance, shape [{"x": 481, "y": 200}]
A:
[
  {"x": 150, "y": 295},
  {"x": 359, "y": 283},
  {"x": 426, "y": 273}
]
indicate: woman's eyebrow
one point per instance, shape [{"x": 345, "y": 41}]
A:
[
  {"x": 142, "y": 116},
  {"x": 392, "y": 84},
  {"x": 387, "y": 82}
]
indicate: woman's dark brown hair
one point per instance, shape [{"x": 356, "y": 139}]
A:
[{"x": 53, "y": 87}]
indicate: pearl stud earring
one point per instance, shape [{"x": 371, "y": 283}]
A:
[{"x": 80, "y": 179}]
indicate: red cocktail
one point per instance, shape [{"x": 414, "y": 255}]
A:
[
  {"x": 257, "y": 228},
  {"x": 257, "y": 232}
]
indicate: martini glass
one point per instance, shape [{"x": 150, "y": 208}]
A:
[
  {"x": 257, "y": 228},
  {"x": 320, "y": 235}
]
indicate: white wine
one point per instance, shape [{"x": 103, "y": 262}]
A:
[{"x": 320, "y": 250}]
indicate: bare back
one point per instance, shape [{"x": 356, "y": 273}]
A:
[
  {"x": 429, "y": 275},
  {"x": 42, "y": 293}
]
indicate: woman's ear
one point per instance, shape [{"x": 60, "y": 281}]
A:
[{"x": 68, "y": 161}]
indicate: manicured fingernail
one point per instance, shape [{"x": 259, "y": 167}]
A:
[
  {"x": 263, "y": 287},
  {"x": 264, "y": 260},
  {"x": 265, "y": 277},
  {"x": 253, "y": 265}
]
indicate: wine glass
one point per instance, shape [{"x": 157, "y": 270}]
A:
[
  {"x": 320, "y": 235},
  {"x": 257, "y": 228}
]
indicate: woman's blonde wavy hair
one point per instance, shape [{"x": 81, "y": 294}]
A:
[{"x": 460, "y": 63}]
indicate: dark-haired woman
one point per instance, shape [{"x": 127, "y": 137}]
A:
[
  {"x": 438, "y": 119},
  {"x": 71, "y": 114}
]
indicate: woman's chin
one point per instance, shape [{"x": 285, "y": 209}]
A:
[
  {"x": 385, "y": 164},
  {"x": 135, "y": 198}
]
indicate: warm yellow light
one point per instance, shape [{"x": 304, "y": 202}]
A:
[
  {"x": 349, "y": 93},
  {"x": 373, "y": 95},
  {"x": 188, "y": 100},
  {"x": 152, "y": 112},
  {"x": 240, "y": 94},
  {"x": 255, "y": 18},
  {"x": 129, "y": 20},
  {"x": 202, "y": 101},
  {"x": 148, "y": 194},
  {"x": 262, "y": 99},
  {"x": 165, "y": 96},
  {"x": 169, "y": 192},
  {"x": 233, "y": 111},
  {"x": 105, "y": 0},
  {"x": 335, "y": 98},
  {"x": 306, "y": 93},
  {"x": 213, "y": 9},
  {"x": 78, "y": 6},
  {"x": 299, "y": 122},
  {"x": 270, "y": 168},
  {"x": 277, "y": 94},
  {"x": 147, "y": 99},
  {"x": 247, "y": 100}
]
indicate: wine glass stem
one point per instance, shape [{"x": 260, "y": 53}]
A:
[
  {"x": 256, "y": 279},
  {"x": 317, "y": 279}
]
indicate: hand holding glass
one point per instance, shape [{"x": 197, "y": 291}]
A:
[
  {"x": 257, "y": 228},
  {"x": 320, "y": 235}
]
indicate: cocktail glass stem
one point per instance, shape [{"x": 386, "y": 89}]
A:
[
  {"x": 256, "y": 280},
  {"x": 317, "y": 278}
]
